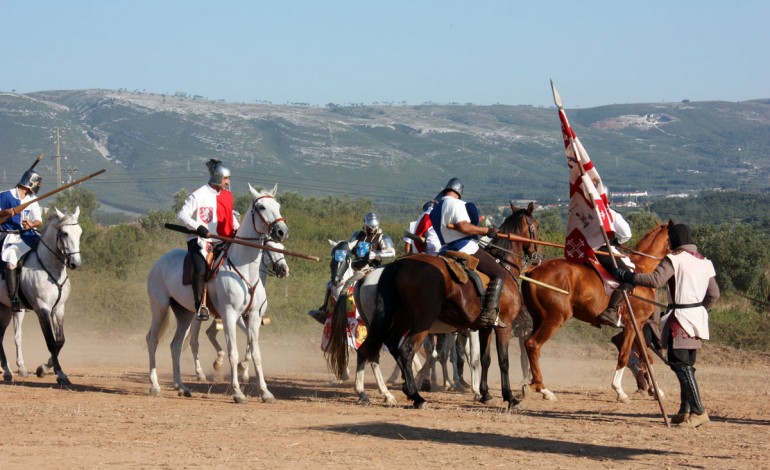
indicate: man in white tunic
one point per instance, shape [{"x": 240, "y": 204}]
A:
[{"x": 693, "y": 290}]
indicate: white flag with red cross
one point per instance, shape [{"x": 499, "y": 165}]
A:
[{"x": 588, "y": 214}]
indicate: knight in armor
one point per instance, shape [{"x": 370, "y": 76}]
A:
[
  {"x": 18, "y": 233},
  {"x": 369, "y": 247},
  {"x": 610, "y": 315},
  {"x": 693, "y": 290},
  {"x": 207, "y": 210},
  {"x": 452, "y": 210}
]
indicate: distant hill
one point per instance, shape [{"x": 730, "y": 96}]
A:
[{"x": 153, "y": 145}]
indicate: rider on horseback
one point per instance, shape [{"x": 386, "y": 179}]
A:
[
  {"x": 423, "y": 228},
  {"x": 369, "y": 247},
  {"x": 208, "y": 209},
  {"x": 622, "y": 234},
  {"x": 451, "y": 209},
  {"x": 18, "y": 234}
]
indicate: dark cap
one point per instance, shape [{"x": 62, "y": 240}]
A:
[{"x": 679, "y": 235}]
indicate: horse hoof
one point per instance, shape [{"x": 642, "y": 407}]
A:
[
  {"x": 548, "y": 395},
  {"x": 40, "y": 372},
  {"x": 514, "y": 406},
  {"x": 23, "y": 373},
  {"x": 391, "y": 401},
  {"x": 425, "y": 387},
  {"x": 363, "y": 400},
  {"x": 486, "y": 398},
  {"x": 63, "y": 381},
  {"x": 624, "y": 399},
  {"x": 217, "y": 365},
  {"x": 7, "y": 377},
  {"x": 154, "y": 392},
  {"x": 526, "y": 391},
  {"x": 200, "y": 376},
  {"x": 240, "y": 399},
  {"x": 268, "y": 399},
  {"x": 420, "y": 405}
]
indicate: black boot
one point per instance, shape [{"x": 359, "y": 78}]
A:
[
  {"x": 12, "y": 284},
  {"x": 684, "y": 395},
  {"x": 198, "y": 284},
  {"x": 698, "y": 415},
  {"x": 610, "y": 316},
  {"x": 490, "y": 314}
]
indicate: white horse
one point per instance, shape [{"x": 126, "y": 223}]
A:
[
  {"x": 273, "y": 264},
  {"x": 341, "y": 270},
  {"x": 236, "y": 292},
  {"x": 45, "y": 287}
]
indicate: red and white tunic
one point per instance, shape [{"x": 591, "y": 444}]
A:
[{"x": 212, "y": 208}]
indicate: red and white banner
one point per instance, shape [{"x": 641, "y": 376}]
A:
[{"x": 588, "y": 215}]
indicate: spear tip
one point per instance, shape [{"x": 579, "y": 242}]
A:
[{"x": 556, "y": 98}]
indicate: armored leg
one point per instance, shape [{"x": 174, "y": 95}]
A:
[{"x": 490, "y": 314}]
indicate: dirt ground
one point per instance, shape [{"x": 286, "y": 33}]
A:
[{"x": 107, "y": 418}]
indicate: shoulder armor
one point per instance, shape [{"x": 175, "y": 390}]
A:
[
  {"x": 357, "y": 236},
  {"x": 387, "y": 242}
]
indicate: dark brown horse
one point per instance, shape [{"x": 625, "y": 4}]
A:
[
  {"x": 586, "y": 300},
  {"x": 417, "y": 295}
]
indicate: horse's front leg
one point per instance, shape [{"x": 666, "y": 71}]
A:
[
  {"x": 18, "y": 318},
  {"x": 404, "y": 357},
  {"x": 51, "y": 323},
  {"x": 502, "y": 341},
  {"x": 473, "y": 353},
  {"x": 231, "y": 343},
  {"x": 252, "y": 349},
  {"x": 624, "y": 352}
]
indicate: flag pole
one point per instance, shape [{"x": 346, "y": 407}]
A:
[{"x": 639, "y": 342}]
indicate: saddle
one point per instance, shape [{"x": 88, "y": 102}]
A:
[
  {"x": 213, "y": 262},
  {"x": 610, "y": 283},
  {"x": 462, "y": 267}
]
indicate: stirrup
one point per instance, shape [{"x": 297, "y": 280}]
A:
[
  {"x": 203, "y": 313},
  {"x": 611, "y": 318},
  {"x": 484, "y": 321}
]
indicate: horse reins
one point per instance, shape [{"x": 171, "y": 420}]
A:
[{"x": 62, "y": 259}]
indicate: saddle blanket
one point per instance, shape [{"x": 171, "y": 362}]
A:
[{"x": 356, "y": 330}]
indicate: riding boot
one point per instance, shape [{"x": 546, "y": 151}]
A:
[
  {"x": 610, "y": 316},
  {"x": 698, "y": 415},
  {"x": 198, "y": 285},
  {"x": 490, "y": 314},
  {"x": 12, "y": 284},
  {"x": 684, "y": 407},
  {"x": 319, "y": 314}
]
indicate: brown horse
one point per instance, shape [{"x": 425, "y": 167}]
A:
[
  {"x": 586, "y": 300},
  {"x": 417, "y": 295}
]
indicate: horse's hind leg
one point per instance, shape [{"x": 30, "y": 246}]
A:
[
  {"x": 4, "y": 322},
  {"x": 404, "y": 358},
  {"x": 211, "y": 333},
  {"x": 363, "y": 398},
  {"x": 183, "y": 320},
  {"x": 195, "y": 331},
  {"x": 18, "y": 318}
]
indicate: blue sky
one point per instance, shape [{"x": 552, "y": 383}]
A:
[{"x": 344, "y": 51}]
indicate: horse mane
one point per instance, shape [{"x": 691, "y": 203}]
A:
[
  {"x": 53, "y": 221},
  {"x": 509, "y": 225},
  {"x": 650, "y": 236}
]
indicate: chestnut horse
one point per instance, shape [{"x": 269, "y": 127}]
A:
[
  {"x": 417, "y": 295},
  {"x": 586, "y": 300}
]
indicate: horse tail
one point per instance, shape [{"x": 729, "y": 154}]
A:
[
  {"x": 382, "y": 324},
  {"x": 336, "y": 351}
]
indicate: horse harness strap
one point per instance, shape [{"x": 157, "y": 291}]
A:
[
  {"x": 251, "y": 288},
  {"x": 55, "y": 281}
]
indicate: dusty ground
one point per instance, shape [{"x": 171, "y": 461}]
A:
[{"x": 107, "y": 419}]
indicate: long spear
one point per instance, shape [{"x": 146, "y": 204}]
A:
[
  {"x": 640, "y": 343},
  {"x": 185, "y": 230},
  {"x": 15, "y": 210}
]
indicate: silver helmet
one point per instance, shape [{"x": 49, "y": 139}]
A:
[
  {"x": 217, "y": 171},
  {"x": 456, "y": 185},
  {"x": 31, "y": 180},
  {"x": 371, "y": 222}
]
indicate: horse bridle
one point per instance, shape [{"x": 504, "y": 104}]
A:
[
  {"x": 62, "y": 253},
  {"x": 273, "y": 262},
  {"x": 255, "y": 211}
]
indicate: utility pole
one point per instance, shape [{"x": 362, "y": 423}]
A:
[{"x": 58, "y": 161}]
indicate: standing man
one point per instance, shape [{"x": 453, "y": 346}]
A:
[
  {"x": 207, "y": 210},
  {"x": 452, "y": 210},
  {"x": 18, "y": 234},
  {"x": 693, "y": 290}
]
